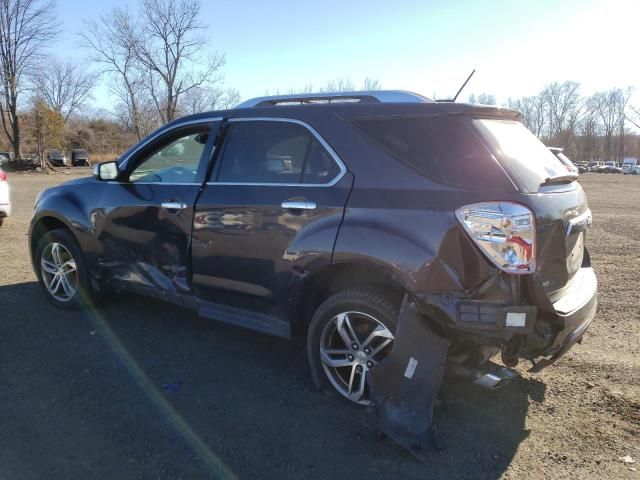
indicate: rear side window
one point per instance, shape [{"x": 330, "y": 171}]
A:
[
  {"x": 275, "y": 152},
  {"x": 439, "y": 147}
]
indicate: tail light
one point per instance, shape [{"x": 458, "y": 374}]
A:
[
  {"x": 504, "y": 231},
  {"x": 3, "y": 176}
]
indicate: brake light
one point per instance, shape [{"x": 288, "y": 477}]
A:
[
  {"x": 504, "y": 231},
  {"x": 3, "y": 176}
]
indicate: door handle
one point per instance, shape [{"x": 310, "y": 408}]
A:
[
  {"x": 298, "y": 205},
  {"x": 173, "y": 206}
]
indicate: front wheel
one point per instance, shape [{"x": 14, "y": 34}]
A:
[
  {"x": 62, "y": 271},
  {"x": 350, "y": 333}
]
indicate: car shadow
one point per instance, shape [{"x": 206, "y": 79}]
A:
[{"x": 247, "y": 396}]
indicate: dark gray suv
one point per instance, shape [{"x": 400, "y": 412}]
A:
[{"x": 344, "y": 218}]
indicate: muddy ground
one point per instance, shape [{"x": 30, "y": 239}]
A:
[{"x": 140, "y": 389}]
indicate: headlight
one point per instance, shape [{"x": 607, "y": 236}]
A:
[{"x": 505, "y": 233}]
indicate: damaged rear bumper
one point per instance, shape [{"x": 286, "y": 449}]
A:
[
  {"x": 573, "y": 312},
  {"x": 526, "y": 326}
]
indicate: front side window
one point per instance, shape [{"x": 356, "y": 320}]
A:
[
  {"x": 174, "y": 162},
  {"x": 275, "y": 152}
]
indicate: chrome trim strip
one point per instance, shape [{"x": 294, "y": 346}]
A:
[
  {"x": 174, "y": 205},
  {"x": 323, "y": 142},
  {"x": 122, "y": 164},
  {"x": 153, "y": 183},
  {"x": 294, "y": 205},
  {"x": 582, "y": 219}
]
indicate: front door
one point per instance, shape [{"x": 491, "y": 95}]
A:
[{"x": 144, "y": 223}]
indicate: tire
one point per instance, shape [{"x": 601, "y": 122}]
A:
[
  {"x": 79, "y": 294},
  {"x": 340, "y": 369}
]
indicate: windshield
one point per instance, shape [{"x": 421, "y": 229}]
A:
[{"x": 522, "y": 154}]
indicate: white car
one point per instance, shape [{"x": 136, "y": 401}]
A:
[{"x": 5, "y": 204}]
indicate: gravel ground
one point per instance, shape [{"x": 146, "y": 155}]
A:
[{"x": 140, "y": 389}]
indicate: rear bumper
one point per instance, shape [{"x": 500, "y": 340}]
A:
[
  {"x": 540, "y": 333},
  {"x": 573, "y": 313}
]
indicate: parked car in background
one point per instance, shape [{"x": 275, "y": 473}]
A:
[
  {"x": 57, "y": 158},
  {"x": 79, "y": 158},
  {"x": 569, "y": 165},
  {"x": 5, "y": 202},
  {"x": 609, "y": 167},
  {"x": 629, "y": 165},
  {"x": 593, "y": 165},
  {"x": 582, "y": 167}
]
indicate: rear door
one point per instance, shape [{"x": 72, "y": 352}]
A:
[
  {"x": 269, "y": 214},
  {"x": 145, "y": 218}
]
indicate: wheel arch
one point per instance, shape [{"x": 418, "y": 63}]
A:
[
  {"x": 45, "y": 223},
  {"x": 336, "y": 277}
]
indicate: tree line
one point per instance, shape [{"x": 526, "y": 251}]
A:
[
  {"x": 590, "y": 128},
  {"x": 155, "y": 59}
]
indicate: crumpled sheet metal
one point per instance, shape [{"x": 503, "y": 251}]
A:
[{"x": 404, "y": 386}]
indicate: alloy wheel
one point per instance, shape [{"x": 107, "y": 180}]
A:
[
  {"x": 59, "y": 272},
  {"x": 351, "y": 345}
]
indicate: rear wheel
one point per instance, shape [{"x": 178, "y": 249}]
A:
[
  {"x": 350, "y": 333},
  {"x": 62, "y": 271}
]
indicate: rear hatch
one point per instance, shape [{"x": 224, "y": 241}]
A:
[
  {"x": 556, "y": 198},
  {"x": 490, "y": 156}
]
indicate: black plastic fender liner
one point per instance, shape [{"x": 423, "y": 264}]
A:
[{"x": 404, "y": 386}]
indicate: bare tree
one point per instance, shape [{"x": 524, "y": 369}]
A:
[
  {"x": 533, "y": 112},
  {"x": 111, "y": 39},
  {"x": 135, "y": 108},
  {"x": 610, "y": 106},
  {"x": 169, "y": 47},
  {"x": 26, "y": 29},
  {"x": 371, "y": 84},
  {"x": 204, "y": 99},
  {"x": 338, "y": 85},
  {"x": 483, "y": 98},
  {"x": 561, "y": 101},
  {"x": 64, "y": 86},
  {"x": 634, "y": 116}
]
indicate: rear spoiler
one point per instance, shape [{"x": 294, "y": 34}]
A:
[{"x": 480, "y": 111}]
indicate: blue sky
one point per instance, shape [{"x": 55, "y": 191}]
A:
[{"x": 423, "y": 46}]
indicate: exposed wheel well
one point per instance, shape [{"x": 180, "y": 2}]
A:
[
  {"x": 333, "y": 279},
  {"x": 42, "y": 226}
]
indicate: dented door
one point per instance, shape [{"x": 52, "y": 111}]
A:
[{"x": 145, "y": 221}]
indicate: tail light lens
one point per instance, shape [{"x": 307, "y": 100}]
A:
[
  {"x": 504, "y": 231},
  {"x": 3, "y": 176}
]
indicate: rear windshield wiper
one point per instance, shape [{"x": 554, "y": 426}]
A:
[{"x": 562, "y": 178}]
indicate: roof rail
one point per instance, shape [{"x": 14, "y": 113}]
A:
[{"x": 370, "y": 96}]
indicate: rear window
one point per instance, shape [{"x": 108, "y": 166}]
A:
[
  {"x": 522, "y": 153},
  {"x": 443, "y": 148}
]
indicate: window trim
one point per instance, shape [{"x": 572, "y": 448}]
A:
[
  {"x": 122, "y": 163},
  {"x": 332, "y": 153}
]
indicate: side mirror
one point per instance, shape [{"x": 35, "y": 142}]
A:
[{"x": 106, "y": 171}]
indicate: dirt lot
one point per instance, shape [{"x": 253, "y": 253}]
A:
[{"x": 139, "y": 389}]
